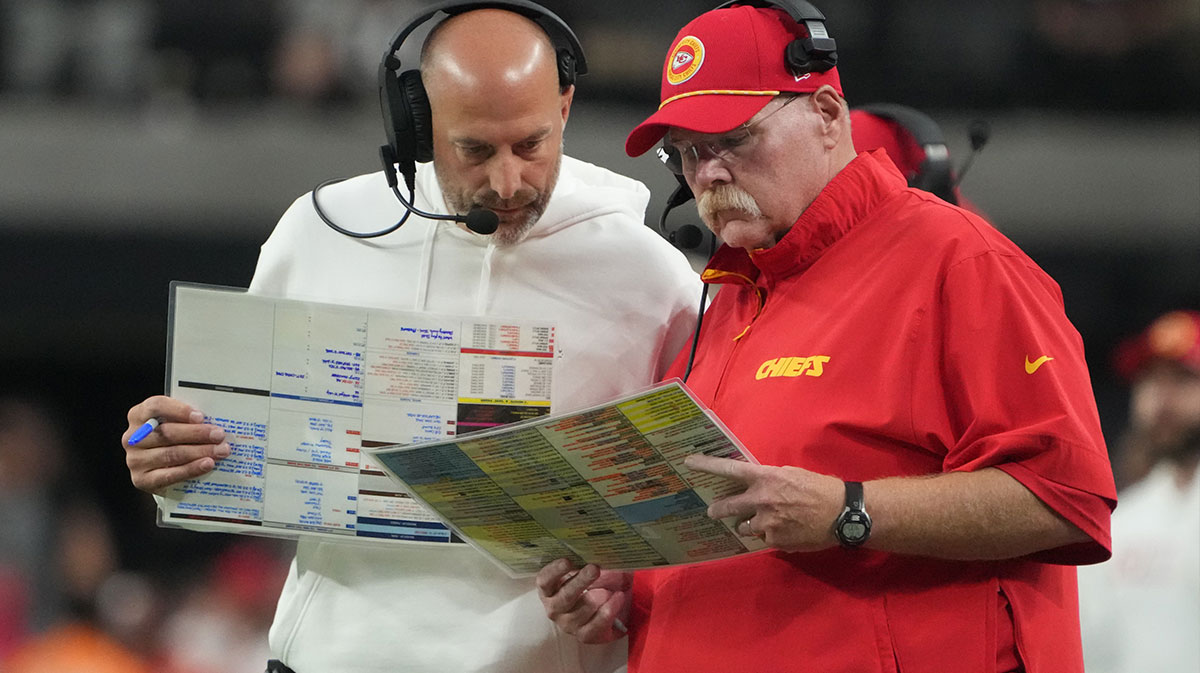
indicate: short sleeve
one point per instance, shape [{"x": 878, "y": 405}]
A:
[{"x": 1018, "y": 396}]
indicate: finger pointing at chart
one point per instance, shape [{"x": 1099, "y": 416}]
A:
[{"x": 788, "y": 507}]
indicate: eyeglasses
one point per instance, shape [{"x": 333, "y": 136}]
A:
[{"x": 681, "y": 158}]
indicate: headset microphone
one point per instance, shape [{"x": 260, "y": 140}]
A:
[
  {"x": 688, "y": 236},
  {"x": 478, "y": 220},
  {"x": 481, "y": 221}
]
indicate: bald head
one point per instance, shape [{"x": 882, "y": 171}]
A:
[
  {"x": 488, "y": 52},
  {"x": 498, "y": 116}
]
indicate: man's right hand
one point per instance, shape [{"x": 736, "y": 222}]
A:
[
  {"x": 182, "y": 447},
  {"x": 589, "y": 603}
]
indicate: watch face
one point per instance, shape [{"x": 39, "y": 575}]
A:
[
  {"x": 854, "y": 530},
  {"x": 853, "y": 526}
]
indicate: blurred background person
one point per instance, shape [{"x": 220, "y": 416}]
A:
[
  {"x": 68, "y": 602},
  {"x": 80, "y": 640},
  {"x": 916, "y": 144},
  {"x": 59, "y": 560},
  {"x": 31, "y": 465},
  {"x": 918, "y": 147},
  {"x": 95, "y": 49},
  {"x": 1140, "y": 611},
  {"x": 328, "y": 52},
  {"x": 1163, "y": 367},
  {"x": 219, "y": 624}
]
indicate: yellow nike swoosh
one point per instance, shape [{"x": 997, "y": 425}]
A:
[{"x": 1031, "y": 367}]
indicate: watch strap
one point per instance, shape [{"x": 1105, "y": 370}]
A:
[{"x": 854, "y": 495}]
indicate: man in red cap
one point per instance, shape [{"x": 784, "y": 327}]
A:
[
  {"x": 1163, "y": 366},
  {"x": 915, "y": 143},
  {"x": 1141, "y": 610},
  {"x": 926, "y": 487},
  {"x": 872, "y": 131}
]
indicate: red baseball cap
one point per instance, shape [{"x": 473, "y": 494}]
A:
[
  {"x": 869, "y": 131},
  {"x": 1174, "y": 337},
  {"x": 724, "y": 67}
]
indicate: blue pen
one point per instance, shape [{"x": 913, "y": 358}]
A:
[{"x": 140, "y": 433}]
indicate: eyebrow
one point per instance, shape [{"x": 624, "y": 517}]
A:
[{"x": 540, "y": 134}]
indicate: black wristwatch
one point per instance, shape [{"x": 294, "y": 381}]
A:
[{"x": 853, "y": 525}]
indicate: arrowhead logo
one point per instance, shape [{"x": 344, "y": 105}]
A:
[
  {"x": 685, "y": 60},
  {"x": 1031, "y": 367}
]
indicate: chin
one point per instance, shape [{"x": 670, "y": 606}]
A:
[
  {"x": 512, "y": 233},
  {"x": 714, "y": 224}
]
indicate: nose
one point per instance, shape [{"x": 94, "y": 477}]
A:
[
  {"x": 710, "y": 170},
  {"x": 504, "y": 174}
]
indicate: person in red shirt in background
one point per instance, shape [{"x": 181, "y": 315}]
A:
[
  {"x": 915, "y": 143},
  {"x": 932, "y": 460}
]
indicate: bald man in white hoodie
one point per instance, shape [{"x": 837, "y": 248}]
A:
[{"x": 571, "y": 247}]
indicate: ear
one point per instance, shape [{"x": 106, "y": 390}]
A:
[{"x": 835, "y": 115}]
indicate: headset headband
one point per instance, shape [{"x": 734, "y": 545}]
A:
[
  {"x": 560, "y": 33},
  {"x": 408, "y": 121}
]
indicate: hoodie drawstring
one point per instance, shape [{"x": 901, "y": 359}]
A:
[
  {"x": 485, "y": 280},
  {"x": 426, "y": 269}
]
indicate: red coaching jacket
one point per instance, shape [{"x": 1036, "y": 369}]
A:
[{"x": 888, "y": 333}]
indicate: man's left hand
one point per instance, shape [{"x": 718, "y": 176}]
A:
[{"x": 788, "y": 507}]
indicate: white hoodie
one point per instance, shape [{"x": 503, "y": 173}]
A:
[{"x": 624, "y": 302}]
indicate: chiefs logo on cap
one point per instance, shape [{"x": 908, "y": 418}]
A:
[{"x": 685, "y": 60}]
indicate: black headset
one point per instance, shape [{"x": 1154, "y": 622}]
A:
[
  {"x": 407, "y": 120},
  {"x": 935, "y": 174},
  {"x": 815, "y": 53}
]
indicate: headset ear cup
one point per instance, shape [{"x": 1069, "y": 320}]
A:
[
  {"x": 566, "y": 68},
  {"x": 797, "y": 58},
  {"x": 803, "y": 57},
  {"x": 923, "y": 178},
  {"x": 420, "y": 118},
  {"x": 935, "y": 178}
]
